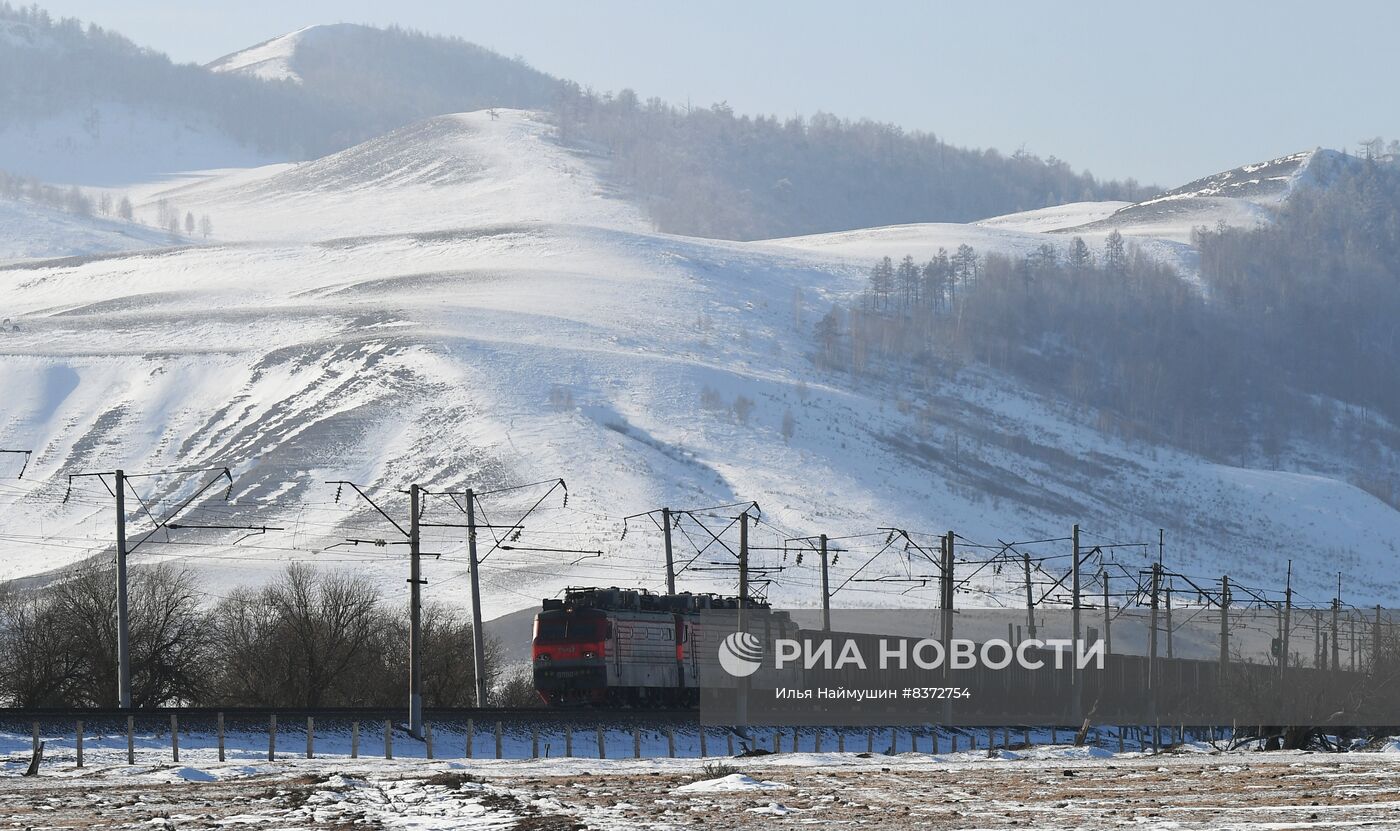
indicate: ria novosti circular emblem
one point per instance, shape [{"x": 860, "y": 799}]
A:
[{"x": 741, "y": 654}]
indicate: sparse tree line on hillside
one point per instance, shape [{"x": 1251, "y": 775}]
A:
[
  {"x": 75, "y": 201},
  {"x": 308, "y": 639},
  {"x": 710, "y": 172},
  {"x": 1292, "y": 335}
]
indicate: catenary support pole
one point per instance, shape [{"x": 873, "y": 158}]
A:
[
  {"x": 1030, "y": 600},
  {"x": 826, "y": 588},
  {"x": 1107, "y": 617},
  {"x": 415, "y": 619},
  {"x": 1076, "y": 675},
  {"x": 478, "y": 635},
  {"x": 670, "y": 561},
  {"x": 1224, "y": 626},
  {"x": 123, "y": 616}
]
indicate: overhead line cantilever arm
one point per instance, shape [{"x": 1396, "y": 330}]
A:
[
  {"x": 25, "y": 466},
  {"x": 224, "y": 473},
  {"x": 365, "y": 497}
]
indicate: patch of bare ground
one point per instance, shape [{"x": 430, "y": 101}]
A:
[{"x": 1209, "y": 792}]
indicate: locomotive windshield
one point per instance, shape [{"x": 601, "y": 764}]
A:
[{"x": 565, "y": 627}]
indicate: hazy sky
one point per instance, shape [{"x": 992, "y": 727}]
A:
[{"x": 1163, "y": 91}]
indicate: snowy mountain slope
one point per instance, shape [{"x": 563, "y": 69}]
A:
[
  {"x": 1010, "y": 236},
  {"x": 114, "y": 145},
  {"x": 270, "y": 60},
  {"x": 467, "y": 303},
  {"x": 434, "y": 358},
  {"x": 1054, "y": 218},
  {"x": 1243, "y": 197},
  {"x": 1160, "y": 226},
  {"x": 30, "y": 231},
  {"x": 446, "y": 172}
]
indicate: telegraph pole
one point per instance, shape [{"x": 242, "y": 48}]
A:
[
  {"x": 415, "y": 619},
  {"x": 826, "y": 591},
  {"x": 123, "y": 618},
  {"x": 670, "y": 563},
  {"x": 478, "y": 635}
]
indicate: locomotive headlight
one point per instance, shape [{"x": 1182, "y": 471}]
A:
[
  {"x": 542, "y": 658},
  {"x": 590, "y": 654}
]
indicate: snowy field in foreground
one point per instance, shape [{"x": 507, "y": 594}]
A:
[{"x": 1050, "y": 787}]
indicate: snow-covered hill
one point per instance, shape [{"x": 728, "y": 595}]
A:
[
  {"x": 270, "y": 59},
  {"x": 465, "y": 302},
  {"x": 443, "y": 173},
  {"x": 31, "y": 231},
  {"x": 1160, "y": 226},
  {"x": 114, "y": 145}
]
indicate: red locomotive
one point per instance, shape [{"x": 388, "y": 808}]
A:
[{"x": 624, "y": 647}]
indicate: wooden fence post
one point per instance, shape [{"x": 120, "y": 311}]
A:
[
  {"x": 272, "y": 737},
  {"x": 534, "y": 742},
  {"x": 79, "y": 733},
  {"x": 174, "y": 737},
  {"x": 841, "y": 742},
  {"x": 428, "y": 737},
  {"x": 131, "y": 740},
  {"x": 354, "y": 740},
  {"x": 310, "y": 737},
  {"x": 220, "y": 725},
  {"x": 670, "y": 743},
  {"x": 388, "y": 739},
  {"x": 602, "y": 750},
  {"x": 498, "y": 740},
  {"x": 569, "y": 740},
  {"x": 704, "y": 752},
  {"x": 471, "y": 729},
  {"x": 637, "y": 742}
]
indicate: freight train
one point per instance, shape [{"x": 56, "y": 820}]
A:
[{"x": 625, "y": 647}]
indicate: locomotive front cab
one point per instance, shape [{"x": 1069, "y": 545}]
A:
[{"x": 569, "y": 655}]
